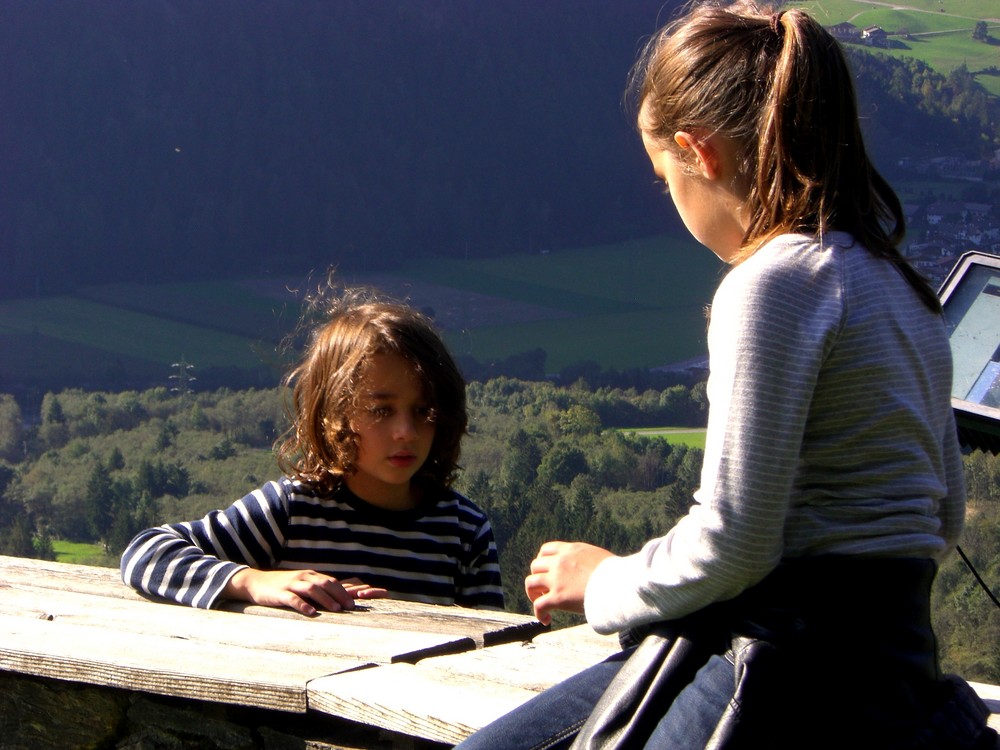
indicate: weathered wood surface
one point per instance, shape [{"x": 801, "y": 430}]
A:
[
  {"x": 446, "y": 698},
  {"x": 484, "y": 628},
  {"x": 433, "y": 673},
  {"x": 991, "y": 696},
  {"x": 102, "y": 637},
  {"x": 81, "y": 624}
]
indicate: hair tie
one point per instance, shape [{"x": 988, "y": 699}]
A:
[{"x": 776, "y": 21}]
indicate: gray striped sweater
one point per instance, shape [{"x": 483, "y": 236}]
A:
[
  {"x": 440, "y": 553},
  {"x": 830, "y": 431}
]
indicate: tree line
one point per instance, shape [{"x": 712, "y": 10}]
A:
[
  {"x": 544, "y": 460},
  {"x": 99, "y": 466},
  {"x": 930, "y": 107}
]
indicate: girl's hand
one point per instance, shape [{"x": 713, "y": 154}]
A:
[
  {"x": 301, "y": 590},
  {"x": 559, "y": 576}
]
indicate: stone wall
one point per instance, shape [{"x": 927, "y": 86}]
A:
[{"x": 43, "y": 714}]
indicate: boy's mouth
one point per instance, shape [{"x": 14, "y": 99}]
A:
[{"x": 402, "y": 460}]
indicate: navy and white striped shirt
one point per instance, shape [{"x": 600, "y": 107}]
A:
[{"x": 442, "y": 552}]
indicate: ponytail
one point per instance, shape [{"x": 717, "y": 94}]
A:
[{"x": 778, "y": 86}]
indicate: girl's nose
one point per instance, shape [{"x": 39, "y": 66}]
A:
[{"x": 404, "y": 428}]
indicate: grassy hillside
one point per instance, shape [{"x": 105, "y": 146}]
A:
[
  {"x": 635, "y": 305},
  {"x": 940, "y": 30}
]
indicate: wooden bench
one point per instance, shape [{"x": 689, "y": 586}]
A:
[
  {"x": 422, "y": 671},
  {"x": 406, "y": 672}
]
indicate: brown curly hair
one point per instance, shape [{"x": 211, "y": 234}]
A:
[{"x": 320, "y": 447}]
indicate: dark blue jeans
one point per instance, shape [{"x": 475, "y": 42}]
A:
[
  {"x": 551, "y": 720},
  {"x": 696, "y": 711}
]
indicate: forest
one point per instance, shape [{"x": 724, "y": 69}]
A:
[
  {"x": 546, "y": 461},
  {"x": 163, "y": 140}
]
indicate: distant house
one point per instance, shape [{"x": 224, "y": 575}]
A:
[
  {"x": 697, "y": 366},
  {"x": 973, "y": 237},
  {"x": 875, "y": 36},
  {"x": 938, "y": 212},
  {"x": 845, "y": 32},
  {"x": 913, "y": 164},
  {"x": 923, "y": 250},
  {"x": 978, "y": 210},
  {"x": 973, "y": 170}
]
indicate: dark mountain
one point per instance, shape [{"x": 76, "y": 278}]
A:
[{"x": 178, "y": 139}]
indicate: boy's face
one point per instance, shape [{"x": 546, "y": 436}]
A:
[{"x": 395, "y": 432}]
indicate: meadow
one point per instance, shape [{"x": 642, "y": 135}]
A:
[
  {"x": 638, "y": 304},
  {"x": 692, "y": 438},
  {"x": 83, "y": 553},
  {"x": 940, "y": 30}
]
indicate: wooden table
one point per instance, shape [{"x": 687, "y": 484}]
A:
[
  {"x": 422, "y": 671},
  {"x": 425, "y": 671}
]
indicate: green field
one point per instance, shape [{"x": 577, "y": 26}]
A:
[
  {"x": 941, "y": 30},
  {"x": 121, "y": 331},
  {"x": 80, "y": 553},
  {"x": 638, "y": 304},
  {"x": 693, "y": 438}
]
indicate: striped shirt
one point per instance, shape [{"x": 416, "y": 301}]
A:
[
  {"x": 830, "y": 431},
  {"x": 440, "y": 553}
]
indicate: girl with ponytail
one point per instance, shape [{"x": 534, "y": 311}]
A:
[{"x": 790, "y": 608}]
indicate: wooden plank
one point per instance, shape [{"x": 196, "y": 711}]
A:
[
  {"x": 346, "y": 636},
  {"x": 446, "y": 698},
  {"x": 532, "y": 666},
  {"x": 83, "y": 624},
  {"x": 403, "y": 698},
  {"x": 443, "y": 672},
  {"x": 581, "y": 638},
  {"x": 44, "y": 574},
  {"x": 165, "y": 665},
  {"x": 482, "y": 626},
  {"x": 991, "y": 697}
]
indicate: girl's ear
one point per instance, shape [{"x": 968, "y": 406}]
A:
[{"x": 706, "y": 156}]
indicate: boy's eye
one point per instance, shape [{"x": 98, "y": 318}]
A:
[
  {"x": 425, "y": 412},
  {"x": 379, "y": 411}
]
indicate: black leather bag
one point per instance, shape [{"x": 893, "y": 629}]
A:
[
  {"x": 667, "y": 660},
  {"x": 635, "y": 701},
  {"x": 816, "y": 676}
]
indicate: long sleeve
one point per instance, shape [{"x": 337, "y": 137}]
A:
[
  {"x": 478, "y": 585},
  {"x": 829, "y": 412},
  {"x": 192, "y": 562},
  {"x": 440, "y": 553},
  {"x": 765, "y": 354},
  {"x": 952, "y": 509}
]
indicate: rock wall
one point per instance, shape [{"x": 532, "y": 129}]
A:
[{"x": 45, "y": 714}]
